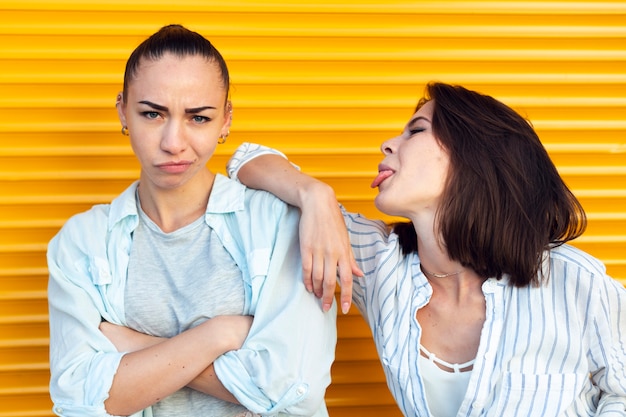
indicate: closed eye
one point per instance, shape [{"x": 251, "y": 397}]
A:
[
  {"x": 415, "y": 131},
  {"x": 417, "y": 125}
]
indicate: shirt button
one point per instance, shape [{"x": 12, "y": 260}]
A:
[
  {"x": 59, "y": 410},
  {"x": 300, "y": 391}
]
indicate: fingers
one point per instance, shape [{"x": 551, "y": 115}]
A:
[
  {"x": 344, "y": 271},
  {"x": 319, "y": 275},
  {"x": 320, "y": 271},
  {"x": 307, "y": 270},
  {"x": 327, "y": 284}
]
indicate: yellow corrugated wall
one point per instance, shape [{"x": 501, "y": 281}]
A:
[{"x": 325, "y": 81}]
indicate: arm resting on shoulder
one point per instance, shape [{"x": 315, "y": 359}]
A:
[{"x": 326, "y": 251}]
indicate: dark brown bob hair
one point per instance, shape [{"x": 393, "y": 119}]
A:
[{"x": 504, "y": 203}]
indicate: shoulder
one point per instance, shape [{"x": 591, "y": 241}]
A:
[
  {"x": 229, "y": 195},
  {"x": 577, "y": 271},
  {"x": 263, "y": 206},
  {"x": 91, "y": 226},
  {"x": 571, "y": 259},
  {"x": 91, "y": 222},
  {"x": 359, "y": 225}
]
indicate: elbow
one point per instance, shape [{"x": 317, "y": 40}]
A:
[{"x": 114, "y": 408}]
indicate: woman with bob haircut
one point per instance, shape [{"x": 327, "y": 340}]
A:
[{"x": 477, "y": 304}]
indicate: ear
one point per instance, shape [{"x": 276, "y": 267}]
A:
[
  {"x": 228, "y": 118},
  {"x": 121, "y": 108}
]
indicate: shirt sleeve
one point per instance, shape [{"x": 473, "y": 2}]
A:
[
  {"x": 284, "y": 364},
  {"x": 82, "y": 360},
  {"x": 609, "y": 350},
  {"x": 374, "y": 249},
  {"x": 247, "y": 152}
]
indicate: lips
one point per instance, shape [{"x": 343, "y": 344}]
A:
[
  {"x": 383, "y": 174},
  {"x": 175, "y": 167}
]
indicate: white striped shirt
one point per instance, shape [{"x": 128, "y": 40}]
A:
[{"x": 554, "y": 350}]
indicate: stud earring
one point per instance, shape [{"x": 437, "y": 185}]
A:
[{"x": 125, "y": 131}]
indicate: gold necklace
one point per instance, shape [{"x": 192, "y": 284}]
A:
[{"x": 439, "y": 275}]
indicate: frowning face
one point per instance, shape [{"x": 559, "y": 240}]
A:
[{"x": 175, "y": 112}]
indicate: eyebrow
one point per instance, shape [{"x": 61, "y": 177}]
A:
[
  {"x": 163, "y": 108},
  {"x": 417, "y": 119}
]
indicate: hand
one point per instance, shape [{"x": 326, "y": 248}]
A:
[{"x": 325, "y": 248}]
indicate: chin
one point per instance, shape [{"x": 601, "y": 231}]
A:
[
  {"x": 382, "y": 206},
  {"x": 390, "y": 205}
]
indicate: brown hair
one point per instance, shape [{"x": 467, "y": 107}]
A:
[
  {"x": 179, "y": 41},
  {"x": 504, "y": 203}
]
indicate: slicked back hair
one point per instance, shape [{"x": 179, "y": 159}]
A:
[
  {"x": 179, "y": 41},
  {"x": 504, "y": 203}
]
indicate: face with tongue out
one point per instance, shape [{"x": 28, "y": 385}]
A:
[{"x": 412, "y": 175}]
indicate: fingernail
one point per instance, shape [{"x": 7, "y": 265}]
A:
[
  {"x": 345, "y": 307},
  {"x": 326, "y": 307}
]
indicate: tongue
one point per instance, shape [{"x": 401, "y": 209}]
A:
[{"x": 382, "y": 175}]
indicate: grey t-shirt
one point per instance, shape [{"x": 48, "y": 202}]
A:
[{"x": 176, "y": 281}]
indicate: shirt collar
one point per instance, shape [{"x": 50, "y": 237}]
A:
[
  {"x": 227, "y": 196},
  {"x": 124, "y": 205}
]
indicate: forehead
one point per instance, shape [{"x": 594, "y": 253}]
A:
[
  {"x": 170, "y": 64},
  {"x": 426, "y": 109},
  {"x": 189, "y": 78}
]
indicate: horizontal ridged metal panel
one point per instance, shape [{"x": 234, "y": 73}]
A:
[{"x": 325, "y": 82}]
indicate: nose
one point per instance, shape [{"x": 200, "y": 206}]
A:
[
  {"x": 388, "y": 146},
  {"x": 173, "y": 138}
]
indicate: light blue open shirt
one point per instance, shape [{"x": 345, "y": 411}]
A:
[{"x": 283, "y": 368}]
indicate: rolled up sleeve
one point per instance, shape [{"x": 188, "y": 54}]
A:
[
  {"x": 284, "y": 365},
  {"x": 82, "y": 360}
]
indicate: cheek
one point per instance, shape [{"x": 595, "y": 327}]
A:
[
  {"x": 140, "y": 147},
  {"x": 204, "y": 146}
]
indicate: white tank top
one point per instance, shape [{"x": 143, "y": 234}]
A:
[{"x": 444, "y": 390}]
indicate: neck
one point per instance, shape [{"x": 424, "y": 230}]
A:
[
  {"x": 174, "y": 208},
  {"x": 442, "y": 272},
  {"x": 439, "y": 275}
]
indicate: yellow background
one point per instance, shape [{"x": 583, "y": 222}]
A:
[{"x": 324, "y": 81}]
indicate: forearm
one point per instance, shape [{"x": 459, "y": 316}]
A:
[
  {"x": 208, "y": 383},
  {"x": 277, "y": 175},
  {"x": 168, "y": 366},
  {"x": 326, "y": 251}
]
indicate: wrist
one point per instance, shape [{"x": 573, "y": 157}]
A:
[{"x": 313, "y": 192}]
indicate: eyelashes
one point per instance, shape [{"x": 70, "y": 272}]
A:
[
  {"x": 415, "y": 131},
  {"x": 154, "y": 115}
]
